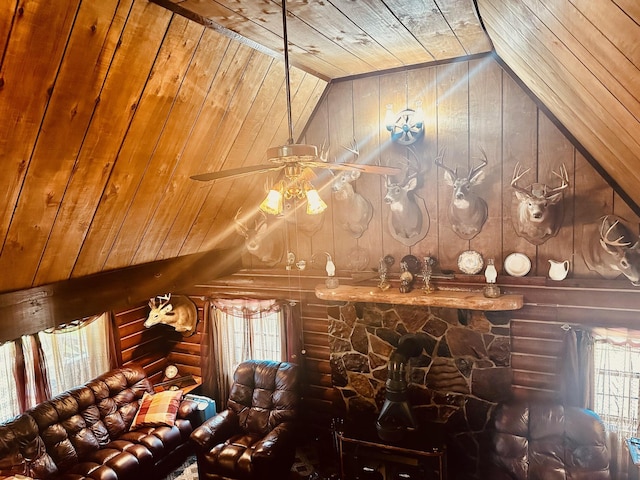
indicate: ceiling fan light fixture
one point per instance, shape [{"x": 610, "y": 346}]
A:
[
  {"x": 293, "y": 152},
  {"x": 315, "y": 204},
  {"x": 273, "y": 202}
]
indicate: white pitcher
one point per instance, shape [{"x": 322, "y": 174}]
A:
[{"x": 558, "y": 270}]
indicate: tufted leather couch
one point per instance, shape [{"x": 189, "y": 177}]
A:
[
  {"x": 84, "y": 434},
  {"x": 547, "y": 441},
  {"x": 254, "y": 437}
]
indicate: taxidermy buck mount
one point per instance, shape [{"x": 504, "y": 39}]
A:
[
  {"x": 353, "y": 211},
  {"x": 538, "y": 210},
  {"x": 610, "y": 248},
  {"x": 264, "y": 240},
  {"x": 177, "y": 311},
  {"x": 294, "y": 161},
  {"x": 467, "y": 211},
  {"x": 408, "y": 218}
]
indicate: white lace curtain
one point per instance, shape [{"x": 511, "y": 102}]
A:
[
  {"x": 242, "y": 329},
  {"x": 38, "y": 367}
]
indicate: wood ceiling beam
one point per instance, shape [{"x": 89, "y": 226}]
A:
[{"x": 35, "y": 309}]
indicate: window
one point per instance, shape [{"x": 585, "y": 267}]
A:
[
  {"x": 75, "y": 355},
  {"x": 258, "y": 336},
  {"x": 72, "y": 355},
  {"x": 9, "y": 398},
  {"x": 242, "y": 329},
  {"x": 617, "y": 386}
]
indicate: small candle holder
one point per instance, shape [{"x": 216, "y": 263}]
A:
[
  {"x": 383, "y": 269},
  {"x": 427, "y": 270},
  {"x": 491, "y": 290}
]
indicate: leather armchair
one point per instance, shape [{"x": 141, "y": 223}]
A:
[
  {"x": 254, "y": 437},
  {"x": 547, "y": 441}
]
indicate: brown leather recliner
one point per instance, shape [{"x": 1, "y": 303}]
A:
[
  {"x": 547, "y": 441},
  {"x": 254, "y": 437}
]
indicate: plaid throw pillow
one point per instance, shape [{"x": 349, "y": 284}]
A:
[{"x": 158, "y": 409}]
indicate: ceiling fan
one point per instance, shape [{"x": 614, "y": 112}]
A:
[{"x": 296, "y": 160}]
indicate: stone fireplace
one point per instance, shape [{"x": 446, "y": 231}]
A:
[{"x": 461, "y": 373}]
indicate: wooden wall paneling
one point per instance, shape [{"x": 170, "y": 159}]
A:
[
  {"x": 338, "y": 25},
  {"x": 246, "y": 72},
  {"x": 592, "y": 39},
  {"x": 69, "y": 110},
  {"x": 404, "y": 48},
  {"x": 485, "y": 133},
  {"x": 26, "y": 86},
  {"x": 7, "y": 15},
  {"x": 453, "y": 135},
  {"x": 593, "y": 199},
  {"x": 623, "y": 210},
  {"x": 155, "y": 102},
  {"x": 534, "y": 380},
  {"x": 303, "y": 228},
  {"x": 317, "y": 133},
  {"x": 555, "y": 150},
  {"x": 368, "y": 115},
  {"x": 199, "y": 145},
  {"x": 249, "y": 97},
  {"x": 267, "y": 39},
  {"x": 165, "y": 159},
  {"x": 421, "y": 87},
  {"x": 393, "y": 91},
  {"x": 135, "y": 35},
  {"x": 299, "y": 33},
  {"x": 530, "y": 394},
  {"x": 537, "y": 329},
  {"x": 519, "y": 120},
  {"x": 534, "y": 363},
  {"x": 578, "y": 99},
  {"x": 548, "y": 348},
  {"x": 341, "y": 132}
]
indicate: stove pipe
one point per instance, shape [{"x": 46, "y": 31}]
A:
[{"x": 396, "y": 417}]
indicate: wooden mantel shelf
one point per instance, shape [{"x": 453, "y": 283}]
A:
[{"x": 441, "y": 298}]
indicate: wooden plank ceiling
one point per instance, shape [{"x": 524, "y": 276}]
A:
[{"x": 107, "y": 108}]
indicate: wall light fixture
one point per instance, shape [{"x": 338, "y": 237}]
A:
[{"x": 407, "y": 126}]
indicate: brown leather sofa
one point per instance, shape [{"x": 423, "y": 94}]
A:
[
  {"x": 84, "y": 433},
  {"x": 547, "y": 441},
  {"x": 254, "y": 437}
]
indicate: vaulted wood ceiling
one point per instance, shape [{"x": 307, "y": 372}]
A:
[{"x": 107, "y": 108}]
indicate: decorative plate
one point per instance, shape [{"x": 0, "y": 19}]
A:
[
  {"x": 470, "y": 262},
  {"x": 517, "y": 264}
]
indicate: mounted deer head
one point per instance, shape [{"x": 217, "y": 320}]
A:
[
  {"x": 263, "y": 241},
  {"x": 408, "y": 218},
  {"x": 538, "y": 211},
  {"x": 353, "y": 211},
  {"x": 178, "y": 312},
  {"x": 610, "y": 248},
  {"x": 467, "y": 211}
]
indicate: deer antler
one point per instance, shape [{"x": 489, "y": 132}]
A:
[
  {"x": 564, "y": 176},
  {"x": 440, "y": 163},
  {"x": 241, "y": 227},
  {"x": 517, "y": 175},
  {"x": 604, "y": 236},
  {"x": 475, "y": 170},
  {"x": 324, "y": 151},
  {"x": 353, "y": 148}
]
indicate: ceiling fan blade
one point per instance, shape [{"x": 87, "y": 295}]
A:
[
  {"x": 235, "y": 172},
  {"x": 378, "y": 170}
]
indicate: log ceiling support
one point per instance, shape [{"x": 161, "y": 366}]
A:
[{"x": 35, "y": 309}]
